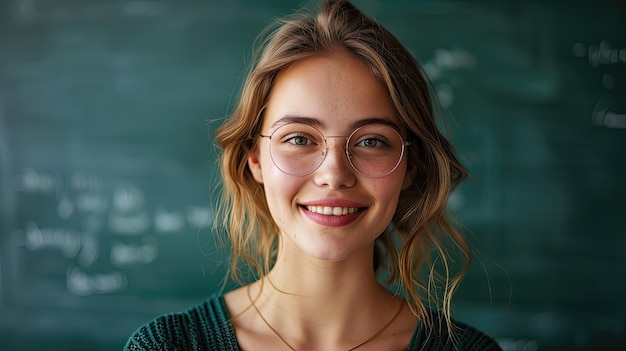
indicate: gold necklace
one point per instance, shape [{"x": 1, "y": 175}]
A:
[{"x": 293, "y": 349}]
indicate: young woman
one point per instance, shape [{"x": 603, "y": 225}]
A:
[{"x": 336, "y": 181}]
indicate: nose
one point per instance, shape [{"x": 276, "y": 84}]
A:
[{"x": 335, "y": 171}]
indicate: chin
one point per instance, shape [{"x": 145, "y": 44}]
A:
[{"x": 334, "y": 253}]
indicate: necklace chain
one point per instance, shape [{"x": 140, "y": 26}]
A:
[{"x": 293, "y": 349}]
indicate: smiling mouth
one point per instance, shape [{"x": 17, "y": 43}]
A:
[{"x": 332, "y": 211}]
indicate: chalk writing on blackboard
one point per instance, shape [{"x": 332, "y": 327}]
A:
[
  {"x": 443, "y": 61},
  {"x": 609, "y": 110},
  {"x": 67, "y": 241},
  {"x": 97, "y": 229},
  {"x": 605, "y": 115},
  {"x": 600, "y": 54},
  {"x": 81, "y": 283},
  {"x": 123, "y": 254},
  {"x": 32, "y": 181}
]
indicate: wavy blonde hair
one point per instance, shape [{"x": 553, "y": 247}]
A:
[{"x": 415, "y": 254}]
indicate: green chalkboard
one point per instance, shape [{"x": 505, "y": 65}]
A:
[{"x": 107, "y": 163}]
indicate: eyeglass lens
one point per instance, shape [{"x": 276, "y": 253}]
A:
[{"x": 374, "y": 150}]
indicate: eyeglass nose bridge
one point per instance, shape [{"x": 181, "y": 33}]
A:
[{"x": 346, "y": 150}]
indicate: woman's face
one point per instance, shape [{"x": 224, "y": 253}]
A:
[{"x": 333, "y": 212}]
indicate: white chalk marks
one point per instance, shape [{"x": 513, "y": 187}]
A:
[
  {"x": 99, "y": 230},
  {"x": 609, "y": 110}
]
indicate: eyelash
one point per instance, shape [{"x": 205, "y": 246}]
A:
[{"x": 290, "y": 139}]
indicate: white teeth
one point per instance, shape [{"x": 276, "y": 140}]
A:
[{"x": 335, "y": 211}]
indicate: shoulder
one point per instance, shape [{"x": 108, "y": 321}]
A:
[
  {"x": 205, "y": 326},
  {"x": 461, "y": 337},
  {"x": 470, "y": 338}
]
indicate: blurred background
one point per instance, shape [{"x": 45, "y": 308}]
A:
[{"x": 108, "y": 110}]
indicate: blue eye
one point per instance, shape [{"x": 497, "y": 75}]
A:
[
  {"x": 298, "y": 140},
  {"x": 371, "y": 143}
]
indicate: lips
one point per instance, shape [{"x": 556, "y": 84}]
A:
[{"x": 333, "y": 212}]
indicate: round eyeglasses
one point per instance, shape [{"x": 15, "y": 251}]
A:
[{"x": 374, "y": 150}]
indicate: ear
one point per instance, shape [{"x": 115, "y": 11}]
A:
[
  {"x": 254, "y": 164},
  {"x": 409, "y": 177}
]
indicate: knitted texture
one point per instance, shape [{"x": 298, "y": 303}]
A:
[
  {"x": 463, "y": 338},
  {"x": 207, "y": 327}
]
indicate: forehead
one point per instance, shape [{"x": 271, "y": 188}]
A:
[{"x": 336, "y": 88}]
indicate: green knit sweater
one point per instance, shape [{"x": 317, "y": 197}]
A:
[{"x": 207, "y": 326}]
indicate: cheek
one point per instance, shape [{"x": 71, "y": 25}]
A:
[
  {"x": 389, "y": 191},
  {"x": 394, "y": 182},
  {"x": 390, "y": 199},
  {"x": 280, "y": 192}
]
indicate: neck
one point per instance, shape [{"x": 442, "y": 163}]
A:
[
  {"x": 326, "y": 262},
  {"x": 300, "y": 274},
  {"x": 322, "y": 300}
]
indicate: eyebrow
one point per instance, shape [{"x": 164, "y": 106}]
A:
[
  {"x": 316, "y": 123},
  {"x": 376, "y": 120},
  {"x": 296, "y": 119}
]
